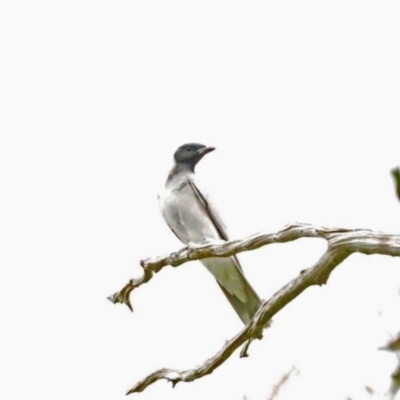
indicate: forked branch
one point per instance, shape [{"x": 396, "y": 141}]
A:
[{"x": 341, "y": 244}]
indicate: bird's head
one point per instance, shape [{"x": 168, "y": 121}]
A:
[{"x": 191, "y": 153}]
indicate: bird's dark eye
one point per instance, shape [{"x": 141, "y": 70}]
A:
[{"x": 188, "y": 148}]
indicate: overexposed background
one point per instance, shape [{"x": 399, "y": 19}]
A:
[{"x": 301, "y": 100}]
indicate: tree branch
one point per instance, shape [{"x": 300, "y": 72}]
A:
[
  {"x": 284, "y": 379},
  {"x": 369, "y": 239},
  {"x": 341, "y": 244}
]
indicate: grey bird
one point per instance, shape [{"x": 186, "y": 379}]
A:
[{"x": 192, "y": 216}]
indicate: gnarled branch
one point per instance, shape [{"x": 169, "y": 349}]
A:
[{"x": 341, "y": 244}]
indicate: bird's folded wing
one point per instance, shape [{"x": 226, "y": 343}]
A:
[{"x": 213, "y": 214}]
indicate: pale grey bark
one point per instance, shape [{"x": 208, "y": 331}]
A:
[{"x": 341, "y": 244}]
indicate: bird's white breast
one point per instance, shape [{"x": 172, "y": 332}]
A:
[{"x": 185, "y": 214}]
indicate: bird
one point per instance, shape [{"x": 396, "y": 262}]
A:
[{"x": 192, "y": 216}]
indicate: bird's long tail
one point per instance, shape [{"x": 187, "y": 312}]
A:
[
  {"x": 245, "y": 310},
  {"x": 234, "y": 285}
]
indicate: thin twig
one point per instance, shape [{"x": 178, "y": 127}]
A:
[{"x": 284, "y": 379}]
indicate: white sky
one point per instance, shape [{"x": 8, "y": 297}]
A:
[{"x": 301, "y": 99}]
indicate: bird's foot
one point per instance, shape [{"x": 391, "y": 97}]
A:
[{"x": 192, "y": 246}]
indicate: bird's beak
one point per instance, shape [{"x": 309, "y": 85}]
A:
[{"x": 205, "y": 150}]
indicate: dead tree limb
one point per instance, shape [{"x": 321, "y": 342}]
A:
[{"x": 341, "y": 244}]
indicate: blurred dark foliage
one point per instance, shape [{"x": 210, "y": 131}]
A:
[
  {"x": 394, "y": 345},
  {"x": 396, "y": 176}
]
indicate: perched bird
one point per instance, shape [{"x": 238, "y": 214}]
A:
[{"x": 191, "y": 215}]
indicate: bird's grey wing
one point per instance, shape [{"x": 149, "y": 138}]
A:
[
  {"x": 228, "y": 271},
  {"x": 213, "y": 213},
  {"x": 210, "y": 209}
]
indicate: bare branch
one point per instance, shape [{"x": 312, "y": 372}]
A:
[
  {"x": 282, "y": 382},
  {"x": 123, "y": 295},
  {"x": 341, "y": 244},
  {"x": 368, "y": 239}
]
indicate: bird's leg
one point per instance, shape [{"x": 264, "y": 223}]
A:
[
  {"x": 191, "y": 248},
  {"x": 206, "y": 241}
]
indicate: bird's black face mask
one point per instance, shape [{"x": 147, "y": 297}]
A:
[{"x": 191, "y": 153}]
